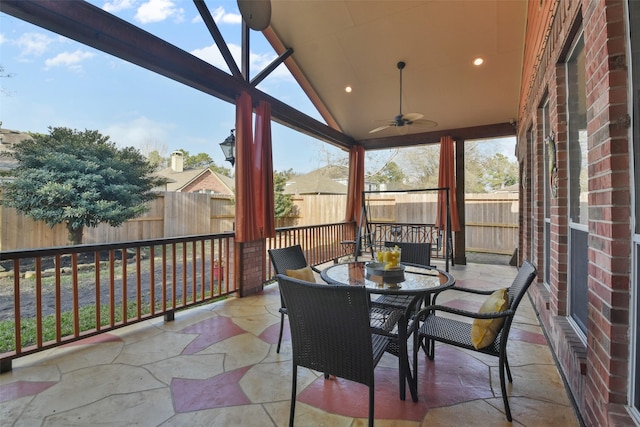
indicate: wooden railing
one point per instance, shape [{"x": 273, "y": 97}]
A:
[
  {"x": 321, "y": 243},
  {"x": 54, "y": 296},
  {"x": 58, "y": 295},
  {"x": 417, "y": 233}
]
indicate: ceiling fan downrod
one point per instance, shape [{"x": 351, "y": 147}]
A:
[{"x": 399, "y": 121}]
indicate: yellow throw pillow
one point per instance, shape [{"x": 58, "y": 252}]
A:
[
  {"x": 484, "y": 331},
  {"x": 304, "y": 273}
]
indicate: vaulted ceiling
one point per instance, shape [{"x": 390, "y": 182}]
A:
[{"x": 356, "y": 43}]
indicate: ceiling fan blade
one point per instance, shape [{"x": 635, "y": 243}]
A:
[
  {"x": 379, "y": 128},
  {"x": 412, "y": 117},
  {"x": 425, "y": 123}
]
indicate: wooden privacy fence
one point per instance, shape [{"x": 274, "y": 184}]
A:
[
  {"x": 171, "y": 214},
  {"x": 491, "y": 219}
]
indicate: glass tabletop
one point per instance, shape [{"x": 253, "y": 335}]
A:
[{"x": 415, "y": 280}]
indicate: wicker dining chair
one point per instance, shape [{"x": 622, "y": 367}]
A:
[
  {"x": 458, "y": 332},
  {"x": 283, "y": 259},
  {"x": 418, "y": 254},
  {"x": 330, "y": 333}
]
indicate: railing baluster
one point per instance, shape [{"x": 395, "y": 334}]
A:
[
  {"x": 74, "y": 295},
  {"x": 164, "y": 278},
  {"x": 96, "y": 265},
  {"x": 138, "y": 284},
  {"x": 39, "y": 332},
  {"x": 16, "y": 304},
  {"x": 125, "y": 316},
  {"x": 112, "y": 288},
  {"x": 174, "y": 273},
  {"x": 152, "y": 280},
  {"x": 194, "y": 269},
  {"x": 58, "y": 301}
]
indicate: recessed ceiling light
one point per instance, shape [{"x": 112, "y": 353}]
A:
[
  {"x": 478, "y": 61},
  {"x": 348, "y": 89}
]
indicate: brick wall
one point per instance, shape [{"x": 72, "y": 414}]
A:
[
  {"x": 597, "y": 371},
  {"x": 609, "y": 203},
  {"x": 206, "y": 181},
  {"x": 249, "y": 266}
]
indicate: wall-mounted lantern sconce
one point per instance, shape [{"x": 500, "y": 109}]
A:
[{"x": 229, "y": 148}]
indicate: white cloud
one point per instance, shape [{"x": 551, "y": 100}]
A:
[
  {"x": 257, "y": 62},
  {"x": 139, "y": 132},
  {"x": 71, "y": 60},
  {"x": 2, "y": 38},
  {"x": 219, "y": 15},
  {"x": 33, "y": 44},
  {"x": 158, "y": 10},
  {"x": 118, "y": 5}
]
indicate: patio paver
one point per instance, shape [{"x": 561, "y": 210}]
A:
[{"x": 216, "y": 365}]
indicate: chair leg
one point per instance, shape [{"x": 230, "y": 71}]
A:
[
  {"x": 417, "y": 343},
  {"x": 505, "y": 398},
  {"x": 402, "y": 377},
  {"x": 430, "y": 348},
  {"x": 506, "y": 365},
  {"x": 281, "y": 328},
  {"x": 371, "y": 404},
  {"x": 294, "y": 383}
]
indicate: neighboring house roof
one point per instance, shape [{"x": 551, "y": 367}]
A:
[
  {"x": 197, "y": 180},
  {"x": 326, "y": 180},
  {"x": 515, "y": 188},
  {"x": 8, "y": 138}
]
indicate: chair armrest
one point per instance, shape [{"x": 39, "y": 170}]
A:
[
  {"x": 384, "y": 321},
  {"x": 469, "y": 314},
  {"x": 472, "y": 291},
  {"x": 467, "y": 290}
]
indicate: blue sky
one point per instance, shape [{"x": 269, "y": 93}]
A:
[{"x": 56, "y": 81}]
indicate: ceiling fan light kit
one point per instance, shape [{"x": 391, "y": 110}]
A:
[{"x": 403, "y": 120}]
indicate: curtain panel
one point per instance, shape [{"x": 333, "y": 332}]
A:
[
  {"x": 254, "y": 172},
  {"x": 447, "y": 179},
  {"x": 356, "y": 184}
]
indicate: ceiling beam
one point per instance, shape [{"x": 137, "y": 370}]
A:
[
  {"x": 92, "y": 26},
  {"x": 217, "y": 37},
  {"x": 476, "y": 132}
]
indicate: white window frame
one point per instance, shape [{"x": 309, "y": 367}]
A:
[
  {"x": 634, "y": 146},
  {"x": 571, "y": 225}
]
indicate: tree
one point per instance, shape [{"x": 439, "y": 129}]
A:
[
  {"x": 500, "y": 172},
  {"x": 4, "y": 76},
  {"x": 200, "y": 160},
  {"x": 220, "y": 169},
  {"x": 283, "y": 203},
  {"x": 390, "y": 173},
  {"x": 421, "y": 165},
  {"x": 80, "y": 179},
  {"x": 155, "y": 159}
]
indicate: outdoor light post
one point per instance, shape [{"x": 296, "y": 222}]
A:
[{"x": 229, "y": 147}]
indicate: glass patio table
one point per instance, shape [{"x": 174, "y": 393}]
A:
[{"x": 416, "y": 281}]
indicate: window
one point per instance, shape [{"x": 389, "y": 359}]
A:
[
  {"x": 546, "y": 135},
  {"x": 578, "y": 209},
  {"x": 533, "y": 196},
  {"x": 634, "y": 387}
]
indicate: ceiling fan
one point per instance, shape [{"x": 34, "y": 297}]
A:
[{"x": 402, "y": 120}]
